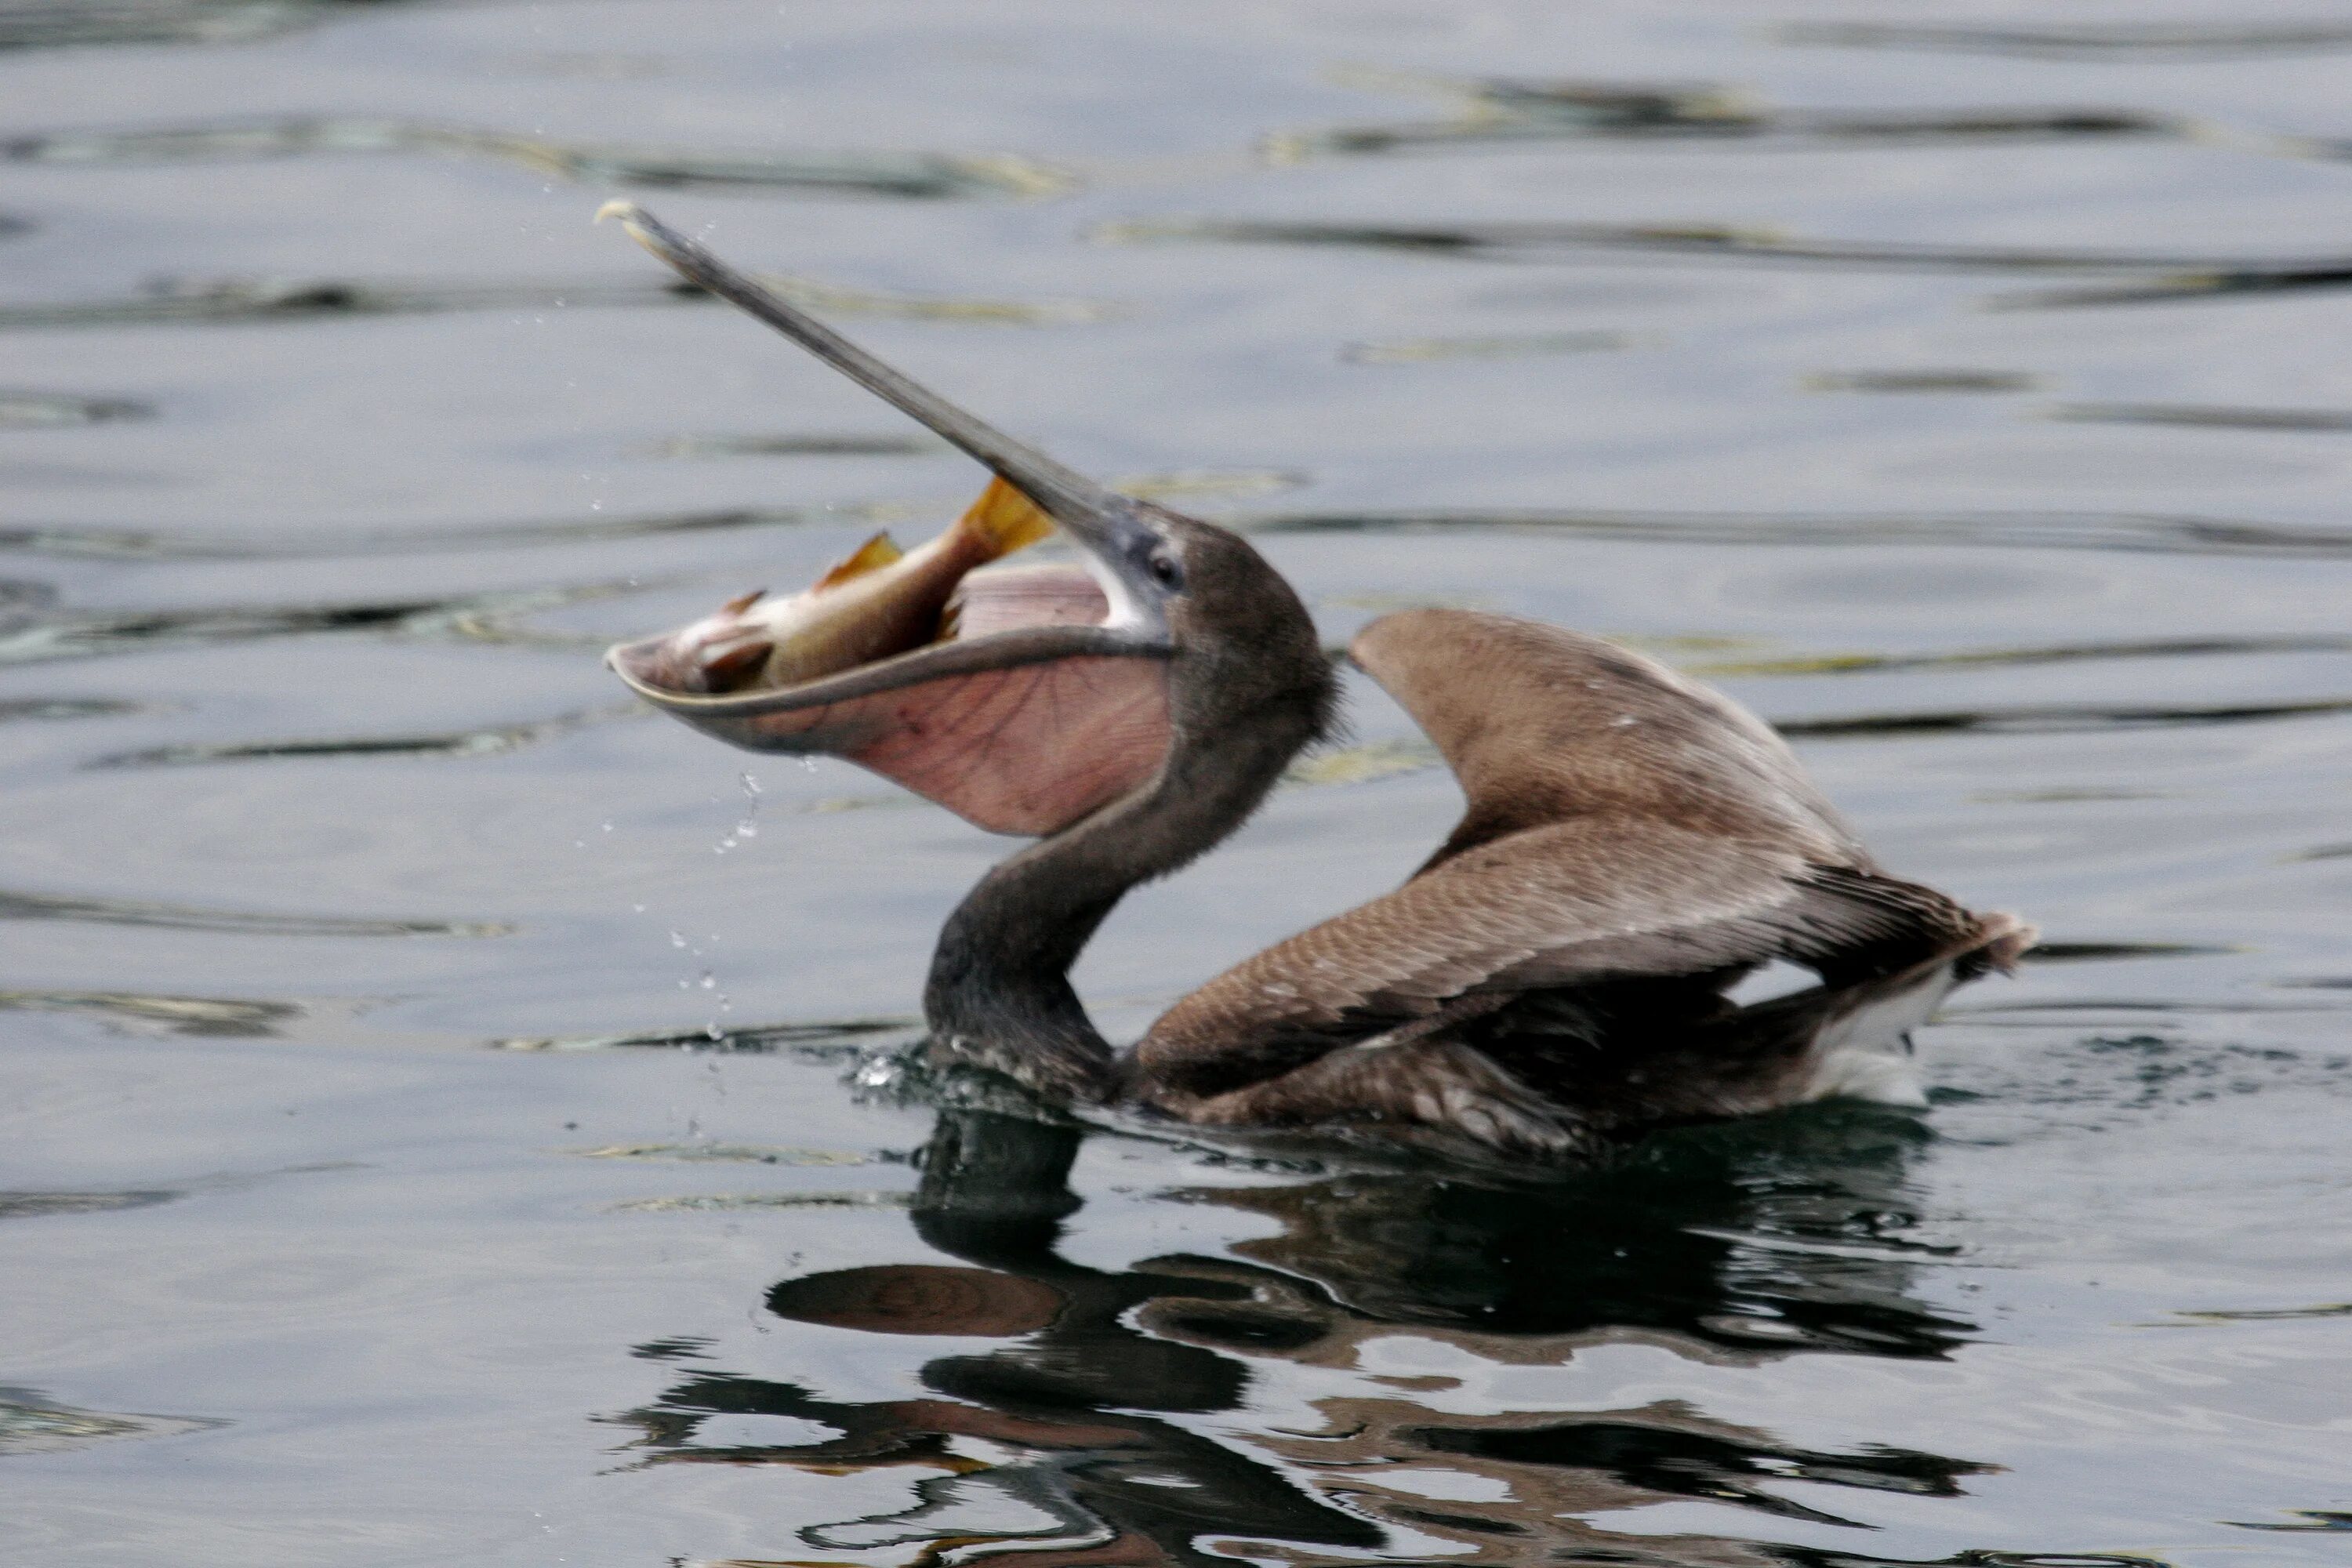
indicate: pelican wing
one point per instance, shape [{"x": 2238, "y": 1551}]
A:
[
  {"x": 1540, "y": 724},
  {"x": 1585, "y": 900}
]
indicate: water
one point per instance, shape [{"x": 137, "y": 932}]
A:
[{"x": 1966, "y": 391}]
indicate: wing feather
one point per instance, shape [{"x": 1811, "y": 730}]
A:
[{"x": 1576, "y": 902}]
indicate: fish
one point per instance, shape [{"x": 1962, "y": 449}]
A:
[{"x": 877, "y": 602}]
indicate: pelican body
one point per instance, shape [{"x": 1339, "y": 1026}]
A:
[{"x": 1553, "y": 977}]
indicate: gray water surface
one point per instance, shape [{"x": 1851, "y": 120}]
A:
[{"x": 449, "y": 1116}]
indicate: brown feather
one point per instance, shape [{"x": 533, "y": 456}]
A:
[{"x": 1624, "y": 824}]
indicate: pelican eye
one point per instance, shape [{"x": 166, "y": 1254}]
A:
[{"x": 1164, "y": 568}]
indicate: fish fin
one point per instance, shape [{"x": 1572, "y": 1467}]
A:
[
  {"x": 1004, "y": 520},
  {"x": 734, "y": 666},
  {"x": 871, "y": 556},
  {"x": 741, "y": 602}
]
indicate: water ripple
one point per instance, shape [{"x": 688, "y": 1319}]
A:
[
  {"x": 730, "y": 1153},
  {"x": 231, "y": 299},
  {"x": 224, "y": 1017},
  {"x": 2057, "y": 719},
  {"x": 66, "y": 24},
  {"x": 828, "y": 1040},
  {"x": 2315, "y": 1520},
  {"x": 1677, "y": 1460},
  {"x": 1724, "y": 241},
  {"x": 2204, "y": 415},
  {"x": 2060, "y": 653},
  {"x": 1420, "y": 351},
  {"x": 823, "y": 1198},
  {"x": 2149, "y": 531},
  {"x": 30, "y": 1206},
  {"x": 2087, "y": 41},
  {"x": 1906, "y": 381},
  {"x": 918, "y": 176},
  {"x": 40, "y": 639},
  {"x": 31, "y": 1422},
  {"x": 24, "y": 906},
  {"x": 1508, "y": 111},
  {"x": 484, "y": 741},
  {"x": 42, "y": 709},
  {"x": 56, "y": 410}
]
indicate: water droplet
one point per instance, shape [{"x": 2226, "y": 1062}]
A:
[
  {"x": 677, "y": 938},
  {"x": 708, "y": 982}
]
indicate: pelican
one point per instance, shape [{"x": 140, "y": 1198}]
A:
[{"x": 1555, "y": 976}]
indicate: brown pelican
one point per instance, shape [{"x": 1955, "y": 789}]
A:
[{"x": 1556, "y": 972}]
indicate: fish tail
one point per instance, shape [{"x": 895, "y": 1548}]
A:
[{"x": 1003, "y": 519}]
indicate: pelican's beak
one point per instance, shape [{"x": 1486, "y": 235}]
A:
[
  {"x": 1111, "y": 529},
  {"x": 1046, "y": 701}
]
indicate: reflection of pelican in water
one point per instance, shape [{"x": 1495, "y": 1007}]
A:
[
  {"x": 1557, "y": 971},
  {"x": 1084, "y": 1434}
]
